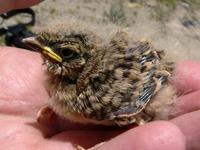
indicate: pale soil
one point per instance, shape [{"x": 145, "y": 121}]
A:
[{"x": 138, "y": 19}]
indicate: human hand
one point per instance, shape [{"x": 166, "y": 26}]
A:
[
  {"x": 6, "y": 5},
  {"x": 23, "y": 93}
]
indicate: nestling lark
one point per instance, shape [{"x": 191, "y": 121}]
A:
[{"x": 118, "y": 83}]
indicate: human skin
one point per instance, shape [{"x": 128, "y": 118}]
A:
[
  {"x": 6, "y": 5},
  {"x": 23, "y": 92}
]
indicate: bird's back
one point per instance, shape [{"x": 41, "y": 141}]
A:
[{"x": 124, "y": 79}]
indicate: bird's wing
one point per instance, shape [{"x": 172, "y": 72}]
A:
[
  {"x": 137, "y": 72},
  {"x": 126, "y": 80}
]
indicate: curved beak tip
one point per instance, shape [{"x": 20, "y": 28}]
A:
[
  {"x": 34, "y": 43},
  {"x": 29, "y": 40}
]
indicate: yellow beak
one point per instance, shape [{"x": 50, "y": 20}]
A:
[
  {"x": 49, "y": 52},
  {"x": 32, "y": 42}
]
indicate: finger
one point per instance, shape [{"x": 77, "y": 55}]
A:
[
  {"x": 152, "y": 136},
  {"x": 85, "y": 138},
  {"x": 16, "y": 133},
  {"x": 189, "y": 125},
  {"x": 6, "y": 5},
  {"x": 187, "y": 103},
  {"x": 155, "y": 135},
  {"x": 187, "y": 76},
  {"x": 21, "y": 133},
  {"x": 22, "y": 82}
]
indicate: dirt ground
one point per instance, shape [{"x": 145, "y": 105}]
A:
[{"x": 172, "y": 27}]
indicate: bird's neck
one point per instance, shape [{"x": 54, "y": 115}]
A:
[
  {"x": 84, "y": 77},
  {"x": 61, "y": 84}
]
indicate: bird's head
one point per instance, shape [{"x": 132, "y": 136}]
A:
[{"x": 65, "y": 51}]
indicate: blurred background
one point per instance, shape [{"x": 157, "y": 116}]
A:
[{"x": 172, "y": 25}]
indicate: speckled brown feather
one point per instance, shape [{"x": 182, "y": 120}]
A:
[{"x": 114, "y": 83}]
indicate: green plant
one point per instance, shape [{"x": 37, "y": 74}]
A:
[
  {"x": 164, "y": 8},
  {"x": 116, "y": 13},
  {"x": 171, "y": 4},
  {"x": 194, "y": 4}
]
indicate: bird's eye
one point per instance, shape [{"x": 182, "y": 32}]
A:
[{"x": 68, "y": 54}]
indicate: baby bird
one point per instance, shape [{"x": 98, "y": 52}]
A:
[{"x": 114, "y": 83}]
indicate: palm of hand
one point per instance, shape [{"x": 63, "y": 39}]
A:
[{"x": 23, "y": 93}]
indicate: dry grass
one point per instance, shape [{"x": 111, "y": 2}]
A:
[{"x": 161, "y": 21}]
